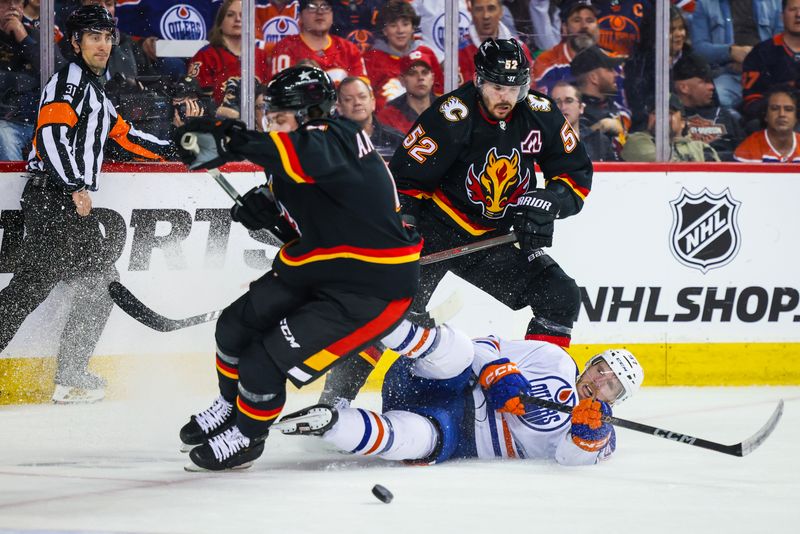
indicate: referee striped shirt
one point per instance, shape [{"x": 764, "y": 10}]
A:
[{"x": 75, "y": 120}]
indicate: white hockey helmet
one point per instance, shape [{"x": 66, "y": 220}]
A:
[{"x": 625, "y": 366}]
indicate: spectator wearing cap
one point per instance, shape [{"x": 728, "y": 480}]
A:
[
  {"x": 640, "y": 68},
  {"x": 486, "y": 24},
  {"x": 641, "y": 146},
  {"x": 595, "y": 74},
  {"x": 772, "y": 63},
  {"x": 416, "y": 76},
  {"x": 357, "y": 103},
  {"x": 778, "y": 142},
  {"x": 337, "y": 56},
  {"x": 706, "y": 119},
  {"x": 397, "y": 21},
  {"x": 725, "y": 31},
  {"x": 570, "y": 102},
  {"x": 579, "y": 30}
]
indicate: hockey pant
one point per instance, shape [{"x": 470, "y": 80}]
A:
[
  {"x": 276, "y": 332},
  {"x": 423, "y": 421},
  {"x": 59, "y": 245}
]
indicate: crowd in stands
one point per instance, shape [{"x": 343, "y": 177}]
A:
[{"x": 734, "y": 65}]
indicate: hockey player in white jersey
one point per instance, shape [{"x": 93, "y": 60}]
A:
[{"x": 451, "y": 397}]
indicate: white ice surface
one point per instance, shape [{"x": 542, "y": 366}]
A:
[{"x": 115, "y": 467}]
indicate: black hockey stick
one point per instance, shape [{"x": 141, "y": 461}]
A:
[
  {"x": 134, "y": 307},
  {"x": 737, "y": 449}
]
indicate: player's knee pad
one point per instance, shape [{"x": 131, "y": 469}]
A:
[
  {"x": 448, "y": 428},
  {"x": 453, "y": 353},
  {"x": 555, "y": 296},
  {"x": 412, "y": 436}
]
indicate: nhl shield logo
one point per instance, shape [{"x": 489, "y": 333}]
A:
[{"x": 705, "y": 231}]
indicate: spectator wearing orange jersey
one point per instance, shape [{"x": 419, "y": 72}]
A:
[
  {"x": 276, "y": 19},
  {"x": 778, "y": 142},
  {"x": 336, "y": 56}
]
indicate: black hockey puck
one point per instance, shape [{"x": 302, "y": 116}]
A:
[{"x": 382, "y": 494}]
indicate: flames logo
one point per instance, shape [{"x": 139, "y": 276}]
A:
[{"x": 498, "y": 185}]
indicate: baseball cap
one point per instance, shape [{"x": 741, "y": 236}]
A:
[
  {"x": 690, "y": 66},
  {"x": 420, "y": 55},
  {"x": 568, "y": 7},
  {"x": 592, "y": 58}
]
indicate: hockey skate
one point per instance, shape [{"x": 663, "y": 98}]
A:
[
  {"x": 312, "y": 421},
  {"x": 229, "y": 450},
  {"x": 208, "y": 423},
  {"x": 83, "y": 388}
]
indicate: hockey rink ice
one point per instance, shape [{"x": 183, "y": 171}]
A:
[{"x": 114, "y": 467}]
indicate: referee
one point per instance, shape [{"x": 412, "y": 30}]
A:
[{"x": 63, "y": 239}]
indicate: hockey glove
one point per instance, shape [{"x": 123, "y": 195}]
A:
[
  {"x": 258, "y": 210},
  {"x": 207, "y": 144},
  {"x": 503, "y": 383},
  {"x": 589, "y": 432},
  {"x": 533, "y": 220}
]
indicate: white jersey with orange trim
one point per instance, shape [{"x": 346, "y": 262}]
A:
[
  {"x": 75, "y": 119},
  {"x": 540, "y": 433}
]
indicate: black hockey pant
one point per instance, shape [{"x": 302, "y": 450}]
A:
[
  {"x": 276, "y": 332},
  {"x": 59, "y": 245}
]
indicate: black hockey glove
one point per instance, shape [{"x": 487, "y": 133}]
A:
[
  {"x": 533, "y": 220},
  {"x": 258, "y": 210},
  {"x": 204, "y": 142}
]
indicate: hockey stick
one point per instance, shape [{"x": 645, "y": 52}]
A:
[
  {"x": 134, "y": 307},
  {"x": 469, "y": 248},
  {"x": 737, "y": 449},
  {"x": 190, "y": 143}
]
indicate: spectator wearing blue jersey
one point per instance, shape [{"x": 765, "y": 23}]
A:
[{"x": 724, "y": 32}]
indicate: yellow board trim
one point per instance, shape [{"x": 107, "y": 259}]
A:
[{"x": 30, "y": 380}]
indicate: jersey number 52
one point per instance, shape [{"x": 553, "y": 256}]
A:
[{"x": 419, "y": 147}]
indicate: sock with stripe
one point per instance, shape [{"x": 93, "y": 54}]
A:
[{"x": 394, "y": 435}]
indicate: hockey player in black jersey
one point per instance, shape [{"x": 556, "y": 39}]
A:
[
  {"x": 345, "y": 276},
  {"x": 465, "y": 172}
]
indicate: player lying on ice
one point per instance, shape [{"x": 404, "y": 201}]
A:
[{"x": 449, "y": 397}]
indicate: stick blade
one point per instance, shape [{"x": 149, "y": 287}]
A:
[
  {"x": 134, "y": 307},
  {"x": 755, "y": 441}
]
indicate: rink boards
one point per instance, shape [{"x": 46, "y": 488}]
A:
[{"x": 694, "y": 268}]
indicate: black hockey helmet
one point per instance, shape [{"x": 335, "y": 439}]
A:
[
  {"x": 301, "y": 89},
  {"x": 503, "y": 62},
  {"x": 91, "y": 18}
]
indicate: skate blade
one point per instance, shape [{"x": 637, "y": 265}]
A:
[
  {"x": 304, "y": 424},
  {"x": 194, "y": 468},
  {"x": 185, "y": 447}
]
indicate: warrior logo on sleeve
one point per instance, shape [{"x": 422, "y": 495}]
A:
[{"x": 498, "y": 185}]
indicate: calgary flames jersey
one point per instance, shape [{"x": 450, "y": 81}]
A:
[
  {"x": 218, "y": 68},
  {"x": 339, "y": 59},
  {"x": 474, "y": 169}
]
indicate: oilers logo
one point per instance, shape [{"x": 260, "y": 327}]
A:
[
  {"x": 183, "y": 22},
  {"x": 705, "y": 231},
  {"x": 279, "y": 27},
  {"x": 463, "y": 30},
  {"x": 552, "y": 388},
  {"x": 499, "y": 184}
]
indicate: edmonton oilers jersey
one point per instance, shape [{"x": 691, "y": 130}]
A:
[{"x": 184, "y": 20}]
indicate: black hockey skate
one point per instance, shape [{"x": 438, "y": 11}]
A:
[
  {"x": 208, "y": 423},
  {"x": 312, "y": 421},
  {"x": 229, "y": 450}
]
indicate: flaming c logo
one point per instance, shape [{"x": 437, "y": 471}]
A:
[{"x": 498, "y": 185}]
